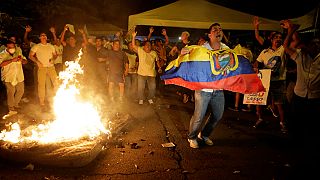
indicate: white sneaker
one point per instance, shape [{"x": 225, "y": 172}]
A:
[
  {"x": 25, "y": 100},
  {"x": 11, "y": 113},
  {"x": 140, "y": 102},
  {"x": 150, "y": 101},
  {"x": 206, "y": 140},
  {"x": 193, "y": 143}
]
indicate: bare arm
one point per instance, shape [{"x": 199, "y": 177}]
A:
[
  {"x": 53, "y": 32},
  {"x": 290, "y": 50},
  {"x": 25, "y": 36},
  {"x": 84, "y": 38},
  {"x": 15, "y": 59},
  {"x": 151, "y": 30},
  {"x": 256, "y": 24},
  {"x": 63, "y": 42},
  {"x": 134, "y": 46},
  {"x": 164, "y": 33},
  {"x": 294, "y": 40},
  {"x": 32, "y": 57},
  {"x": 126, "y": 69}
]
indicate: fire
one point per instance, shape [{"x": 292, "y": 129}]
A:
[{"x": 75, "y": 118}]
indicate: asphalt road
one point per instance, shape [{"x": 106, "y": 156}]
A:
[{"x": 136, "y": 152}]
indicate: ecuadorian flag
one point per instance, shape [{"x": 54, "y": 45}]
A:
[{"x": 208, "y": 69}]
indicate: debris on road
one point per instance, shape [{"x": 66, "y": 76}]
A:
[{"x": 170, "y": 144}]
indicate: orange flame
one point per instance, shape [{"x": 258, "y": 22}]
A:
[{"x": 75, "y": 119}]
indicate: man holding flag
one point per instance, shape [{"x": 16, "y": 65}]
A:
[
  {"x": 204, "y": 97},
  {"x": 209, "y": 69}
]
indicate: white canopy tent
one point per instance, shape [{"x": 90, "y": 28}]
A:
[
  {"x": 200, "y": 14},
  {"x": 308, "y": 20}
]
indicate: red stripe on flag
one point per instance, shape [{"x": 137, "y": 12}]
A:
[{"x": 244, "y": 83}]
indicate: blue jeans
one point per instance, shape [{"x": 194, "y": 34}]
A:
[
  {"x": 202, "y": 99},
  {"x": 151, "y": 81},
  {"x": 131, "y": 85}
]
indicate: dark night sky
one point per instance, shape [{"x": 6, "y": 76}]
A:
[{"x": 59, "y": 12}]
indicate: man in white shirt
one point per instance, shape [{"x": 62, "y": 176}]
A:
[
  {"x": 12, "y": 75},
  {"x": 44, "y": 55}
]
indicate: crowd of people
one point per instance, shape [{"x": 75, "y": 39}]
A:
[{"x": 126, "y": 68}]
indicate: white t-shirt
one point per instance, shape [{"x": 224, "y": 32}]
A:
[
  {"x": 59, "y": 50},
  {"x": 274, "y": 60},
  {"x": 147, "y": 63},
  {"x": 132, "y": 62},
  {"x": 44, "y": 53}
]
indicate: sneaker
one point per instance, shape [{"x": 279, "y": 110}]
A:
[
  {"x": 10, "y": 113},
  {"x": 150, "y": 101},
  {"x": 140, "y": 102},
  {"x": 193, "y": 143},
  {"x": 206, "y": 140},
  {"x": 233, "y": 109}
]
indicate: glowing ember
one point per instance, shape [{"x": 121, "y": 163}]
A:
[{"x": 75, "y": 119}]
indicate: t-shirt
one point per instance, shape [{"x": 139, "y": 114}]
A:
[
  {"x": 133, "y": 59},
  {"x": 70, "y": 53},
  {"x": 147, "y": 62},
  {"x": 117, "y": 61},
  {"x": 274, "y": 60},
  {"x": 44, "y": 52},
  {"x": 59, "y": 50},
  {"x": 308, "y": 76}
]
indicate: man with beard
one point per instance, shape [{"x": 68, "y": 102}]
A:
[{"x": 274, "y": 58}]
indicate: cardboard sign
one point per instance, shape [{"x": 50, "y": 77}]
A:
[{"x": 260, "y": 98}]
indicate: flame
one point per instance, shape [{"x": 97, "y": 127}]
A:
[
  {"x": 13, "y": 135},
  {"x": 75, "y": 119}
]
